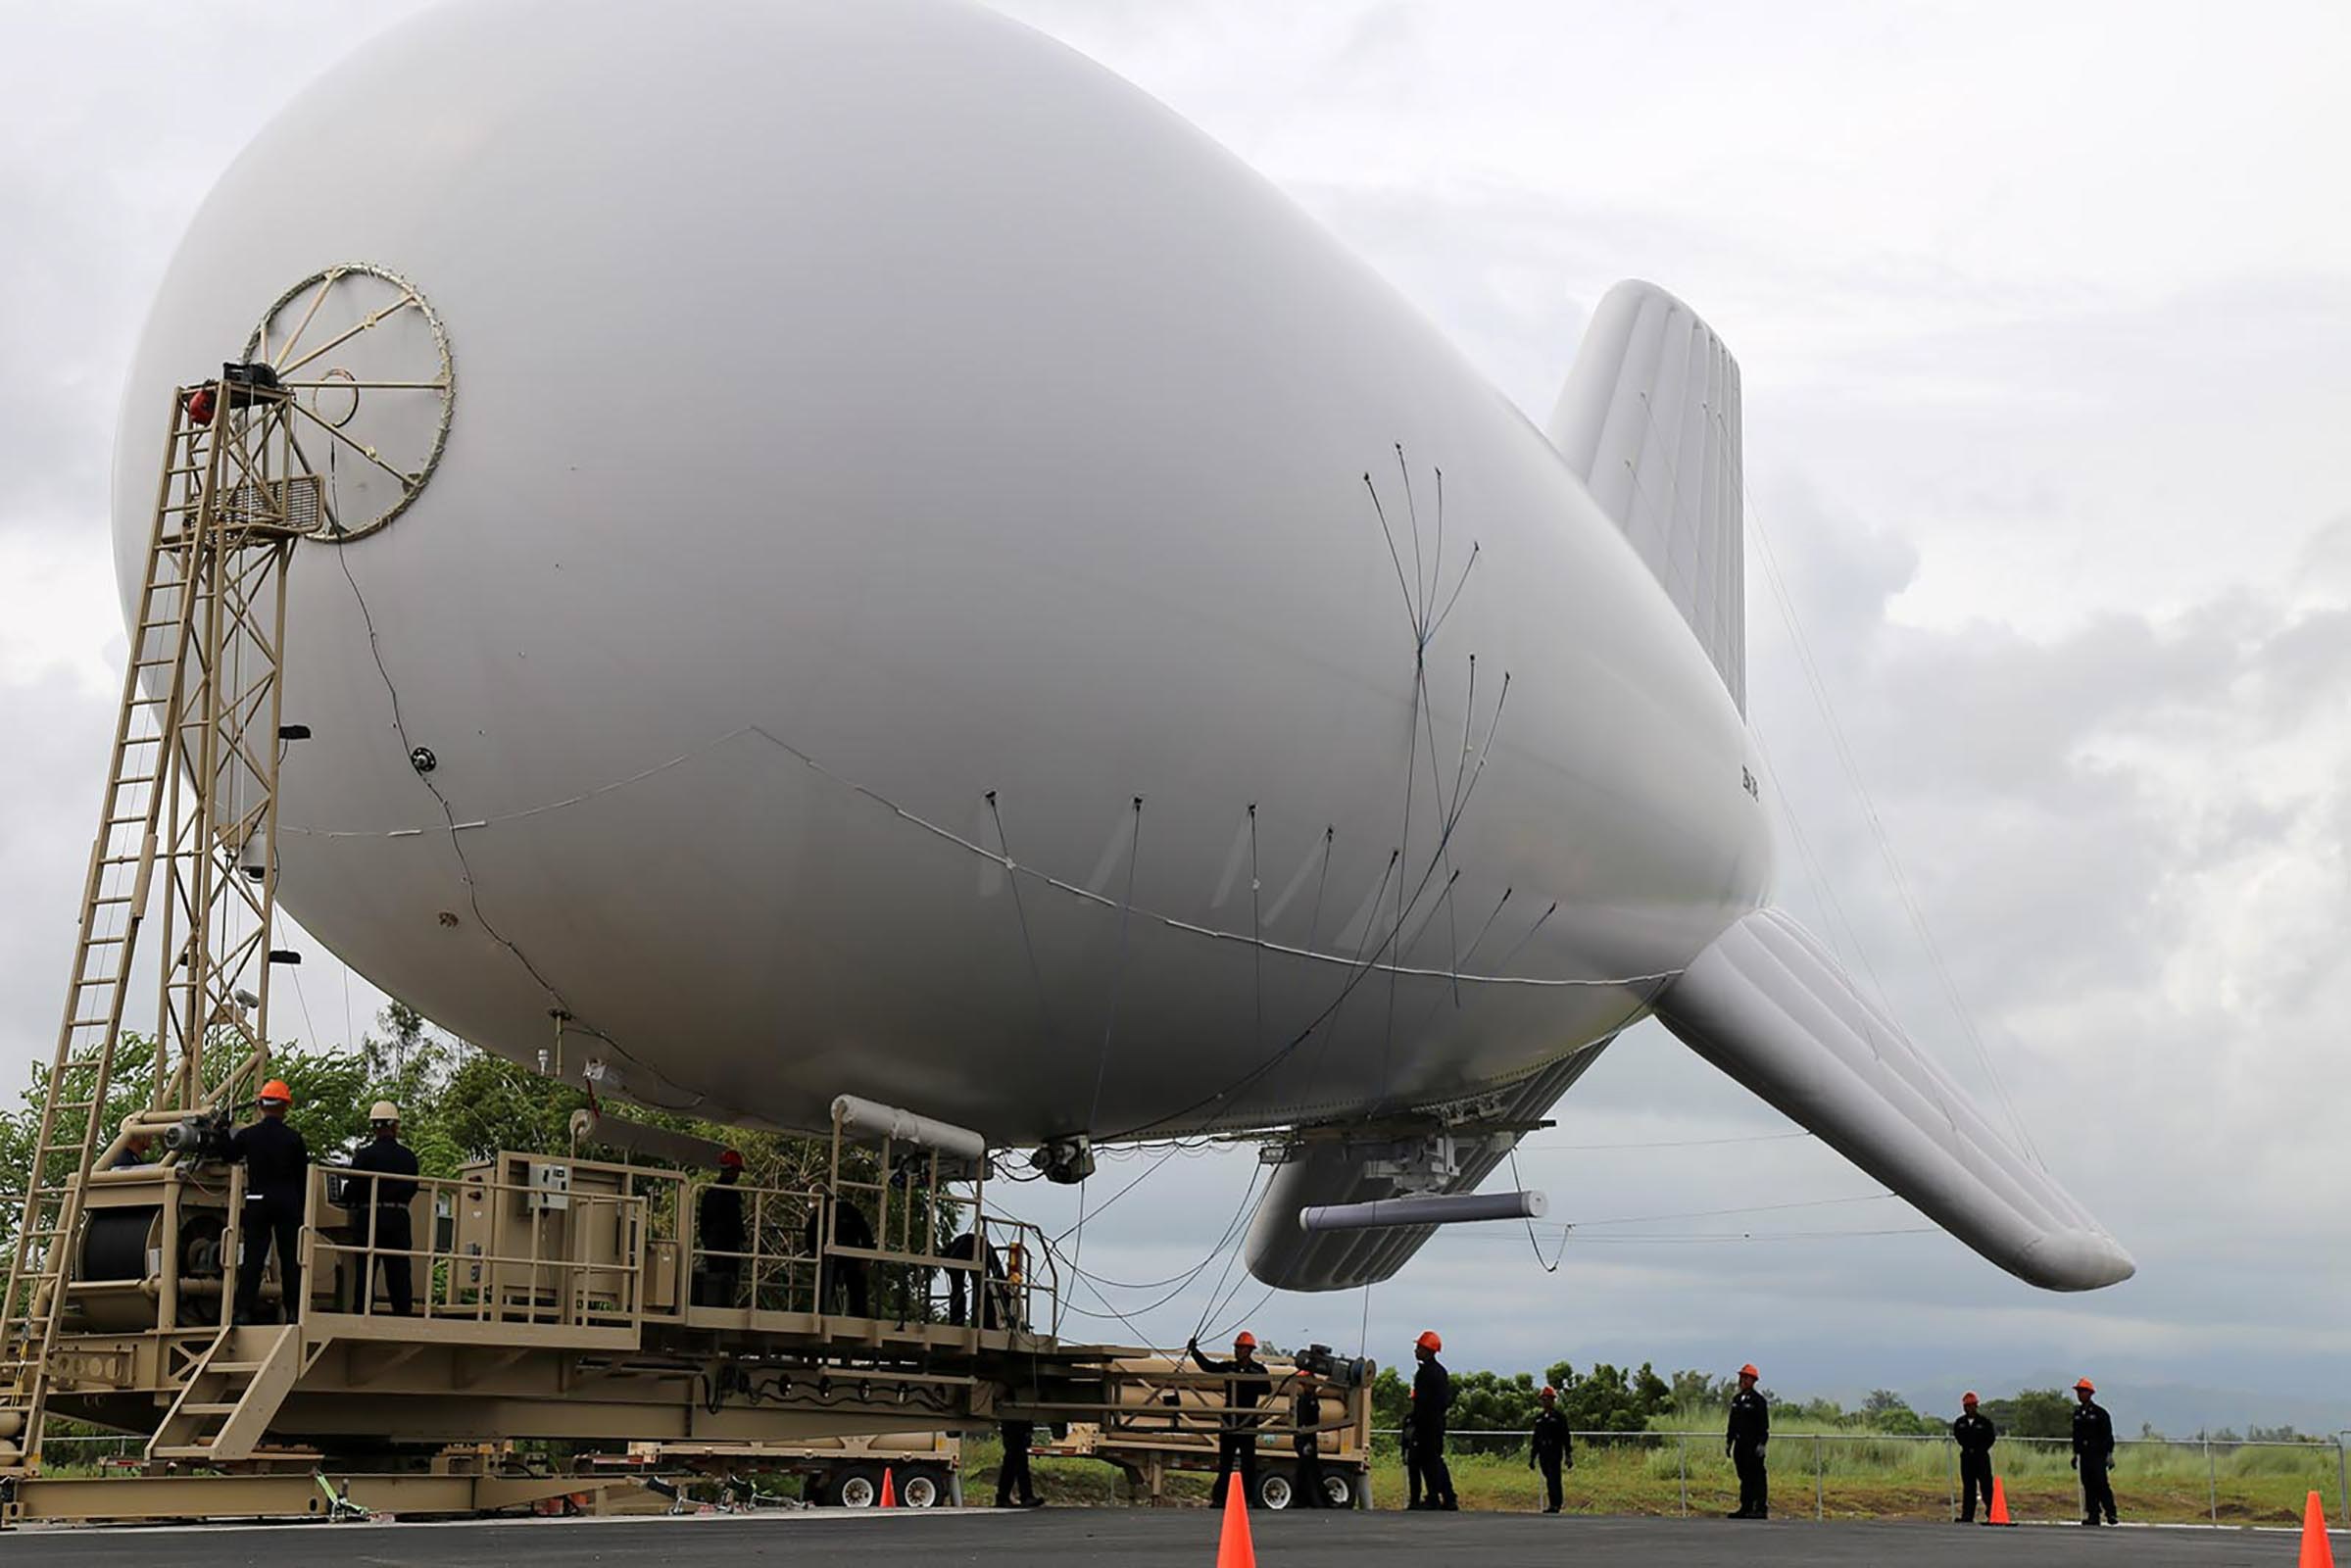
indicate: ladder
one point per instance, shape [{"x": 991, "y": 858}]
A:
[{"x": 190, "y": 791}]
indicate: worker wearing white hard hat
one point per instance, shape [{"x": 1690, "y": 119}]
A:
[{"x": 381, "y": 1199}]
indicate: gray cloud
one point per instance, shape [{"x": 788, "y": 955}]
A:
[{"x": 2044, "y": 427}]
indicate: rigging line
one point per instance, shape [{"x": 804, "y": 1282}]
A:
[
  {"x": 1411, "y": 611},
  {"x": 1248, "y": 1194},
  {"x": 1531, "y": 930},
  {"x": 1166, "y": 1154},
  {"x": 1044, "y": 1023},
  {"x": 1444, "y": 900},
  {"x": 1373, "y": 923},
  {"x": 1459, "y": 583},
  {"x": 1256, "y": 1306},
  {"x": 1841, "y": 746},
  {"x": 307, "y": 1021},
  {"x": 1362, "y": 970},
  {"x": 1437, "y": 565},
  {"x": 1816, "y": 875},
  {"x": 1469, "y": 716},
  {"x": 1094, "y": 1282},
  {"x": 1363, "y": 1328},
  {"x": 1420, "y": 591},
  {"x": 1313, "y": 921},
  {"x": 1551, "y": 1267},
  {"x": 1413, "y": 725},
  {"x": 1787, "y": 609},
  {"x": 1101, "y": 1065},
  {"x": 1743, "y": 1208}
]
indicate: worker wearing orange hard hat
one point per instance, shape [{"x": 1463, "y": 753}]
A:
[
  {"x": 1748, "y": 1434},
  {"x": 1974, "y": 1435},
  {"x": 278, "y": 1165},
  {"x": 2093, "y": 1454},
  {"x": 1549, "y": 1447},
  {"x": 1432, "y": 1398},
  {"x": 1246, "y": 1382}
]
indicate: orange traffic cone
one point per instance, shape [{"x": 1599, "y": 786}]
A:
[
  {"x": 1233, "y": 1548},
  {"x": 2317, "y": 1550},
  {"x": 889, "y": 1490},
  {"x": 1999, "y": 1504}
]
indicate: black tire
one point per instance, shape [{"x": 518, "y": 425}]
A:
[
  {"x": 857, "y": 1485},
  {"x": 922, "y": 1486},
  {"x": 1277, "y": 1488},
  {"x": 1339, "y": 1489}
]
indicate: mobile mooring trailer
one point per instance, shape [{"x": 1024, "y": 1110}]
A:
[{"x": 1168, "y": 1417}]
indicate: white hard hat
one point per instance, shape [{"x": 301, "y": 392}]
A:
[{"x": 384, "y": 1110}]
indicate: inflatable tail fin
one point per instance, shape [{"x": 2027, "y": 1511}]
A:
[
  {"x": 1649, "y": 420},
  {"x": 1770, "y": 1007}
]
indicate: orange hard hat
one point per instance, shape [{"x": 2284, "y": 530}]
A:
[
  {"x": 1749, "y": 1371},
  {"x": 1245, "y": 1340},
  {"x": 1429, "y": 1341},
  {"x": 1969, "y": 1398},
  {"x": 730, "y": 1159},
  {"x": 276, "y": 1088},
  {"x": 2087, "y": 1385},
  {"x": 1548, "y": 1392}
]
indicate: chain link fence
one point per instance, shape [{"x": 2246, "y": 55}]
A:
[{"x": 1880, "y": 1475}]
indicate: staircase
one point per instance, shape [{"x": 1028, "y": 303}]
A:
[{"x": 230, "y": 1397}]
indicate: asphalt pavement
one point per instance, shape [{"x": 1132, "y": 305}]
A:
[{"x": 1175, "y": 1538}]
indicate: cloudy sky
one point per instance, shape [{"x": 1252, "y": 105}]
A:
[{"x": 2044, "y": 316}]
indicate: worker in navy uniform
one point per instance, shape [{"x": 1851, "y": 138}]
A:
[
  {"x": 1975, "y": 1434},
  {"x": 1246, "y": 1382},
  {"x": 1550, "y": 1448},
  {"x": 1431, "y": 1399},
  {"x": 1745, "y": 1440},
  {"x": 383, "y": 1200},
  {"x": 1305, "y": 1414},
  {"x": 278, "y": 1165},
  {"x": 2093, "y": 1454},
  {"x": 719, "y": 1228},
  {"x": 1013, "y": 1474},
  {"x": 846, "y": 1274},
  {"x": 984, "y": 1289},
  {"x": 1410, "y": 1453}
]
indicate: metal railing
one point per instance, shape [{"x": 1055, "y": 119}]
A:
[
  {"x": 1828, "y": 1456},
  {"x": 626, "y": 1258},
  {"x": 593, "y": 1277}
]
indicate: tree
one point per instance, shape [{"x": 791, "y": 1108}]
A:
[{"x": 2032, "y": 1413}]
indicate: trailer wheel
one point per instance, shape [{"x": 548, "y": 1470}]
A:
[
  {"x": 1276, "y": 1489},
  {"x": 920, "y": 1488},
  {"x": 1338, "y": 1490},
  {"x": 859, "y": 1486}
]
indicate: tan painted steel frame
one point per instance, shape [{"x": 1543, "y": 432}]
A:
[
  {"x": 200, "y": 715},
  {"x": 297, "y": 1494}
]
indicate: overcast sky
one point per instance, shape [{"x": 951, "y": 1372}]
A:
[{"x": 2044, "y": 316}]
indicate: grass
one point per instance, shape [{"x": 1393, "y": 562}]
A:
[{"x": 1858, "y": 1479}]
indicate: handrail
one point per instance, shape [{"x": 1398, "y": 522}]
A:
[{"x": 532, "y": 1287}]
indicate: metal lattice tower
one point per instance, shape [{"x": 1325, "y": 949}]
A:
[{"x": 191, "y": 792}]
